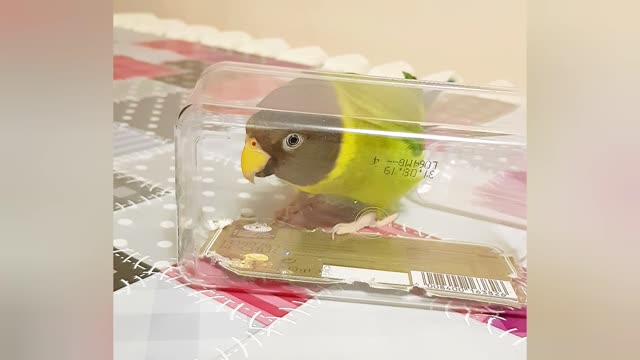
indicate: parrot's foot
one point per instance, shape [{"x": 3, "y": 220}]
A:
[
  {"x": 315, "y": 212},
  {"x": 330, "y": 214},
  {"x": 366, "y": 220},
  {"x": 387, "y": 221}
]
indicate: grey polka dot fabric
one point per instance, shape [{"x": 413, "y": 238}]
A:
[
  {"x": 154, "y": 114},
  {"x": 140, "y": 88}
]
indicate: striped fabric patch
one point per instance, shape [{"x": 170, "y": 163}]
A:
[{"x": 127, "y": 140}]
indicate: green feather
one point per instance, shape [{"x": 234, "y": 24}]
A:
[
  {"x": 408, "y": 76},
  {"x": 375, "y": 109}
]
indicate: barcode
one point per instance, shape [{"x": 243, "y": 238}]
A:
[{"x": 464, "y": 284}]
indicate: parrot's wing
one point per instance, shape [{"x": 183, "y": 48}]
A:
[
  {"x": 348, "y": 99},
  {"x": 380, "y": 102},
  {"x": 388, "y": 110}
]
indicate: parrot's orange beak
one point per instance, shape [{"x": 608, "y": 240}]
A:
[{"x": 253, "y": 159}]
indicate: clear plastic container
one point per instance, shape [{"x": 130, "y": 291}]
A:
[{"x": 352, "y": 187}]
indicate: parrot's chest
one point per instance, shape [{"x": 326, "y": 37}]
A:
[{"x": 374, "y": 170}]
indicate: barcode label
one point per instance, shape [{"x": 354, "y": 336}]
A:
[{"x": 464, "y": 284}]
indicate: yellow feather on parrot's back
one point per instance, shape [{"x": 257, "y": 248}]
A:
[{"x": 370, "y": 144}]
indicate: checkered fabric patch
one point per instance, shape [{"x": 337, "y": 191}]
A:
[
  {"x": 159, "y": 318},
  {"x": 127, "y": 269},
  {"x": 190, "y": 71},
  {"x": 131, "y": 191}
]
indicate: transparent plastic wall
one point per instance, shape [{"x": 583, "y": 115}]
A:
[{"x": 338, "y": 180}]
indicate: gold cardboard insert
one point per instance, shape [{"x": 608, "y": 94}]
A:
[{"x": 451, "y": 269}]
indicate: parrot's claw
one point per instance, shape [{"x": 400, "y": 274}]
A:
[
  {"x": 366, "y": 220},
  {"x": 387, "y": 221},
  {"x": 353, "y": 227}
]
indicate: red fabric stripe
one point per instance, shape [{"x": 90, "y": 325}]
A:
[
  {"x": 247, "y": 309},
  {"x": 260, "y": 303}
]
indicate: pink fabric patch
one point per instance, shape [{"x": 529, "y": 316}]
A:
[
  {"x": 506, "y": 193},
  {"x": 514, "y": 321},
  {"x": 212, "y": 55},
  {"x": 262, "y": 297},
  {"x": 258, "y": 311},
  {"x": 125, "y": 67}
]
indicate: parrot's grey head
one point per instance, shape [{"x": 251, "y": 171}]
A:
[
  {"x": 297, "y": 153},
  {"x": 295, "y": 144}
]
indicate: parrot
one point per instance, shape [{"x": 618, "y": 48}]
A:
[{"x": 332, "y": 141}]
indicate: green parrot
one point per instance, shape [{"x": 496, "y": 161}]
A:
[{"x": 339, "y": 144}]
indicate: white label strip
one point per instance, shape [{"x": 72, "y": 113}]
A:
[
  {"x": 464, "y": 284},
  {"x": 350, "y": 274}
]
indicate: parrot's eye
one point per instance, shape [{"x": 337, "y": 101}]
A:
[{"x": 292, "y": 141}]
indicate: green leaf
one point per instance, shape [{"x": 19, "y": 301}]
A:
[{"x": 409, "y": 76}]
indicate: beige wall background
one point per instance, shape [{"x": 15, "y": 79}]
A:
[{"x": 481, "y": 40}]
